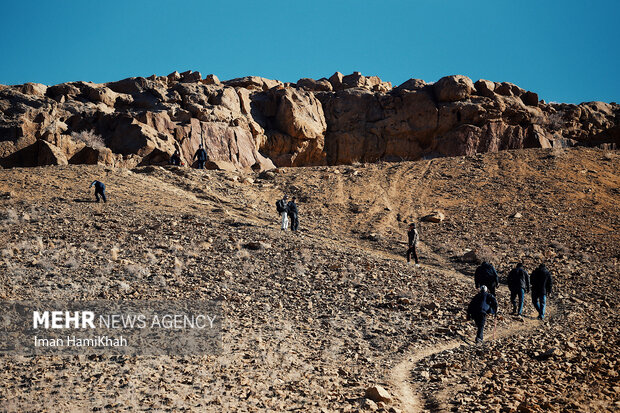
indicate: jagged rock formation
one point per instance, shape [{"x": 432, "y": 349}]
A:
[{"x": 252, "y": 122}]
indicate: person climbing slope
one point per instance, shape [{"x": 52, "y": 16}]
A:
[
  {"x": 481, "y": 305},
  {"x": 293, "y": 214},
  {"x": 541, "y": 287},
  {"x": 282, "y": 208},
  {"x": 412, "y": 242},
  {"x": 518, "y": 284},
  {"x": 99, "y": 190},
  {"x": 486, "y": 275}
]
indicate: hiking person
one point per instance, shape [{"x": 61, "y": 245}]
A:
[
  {"x": 282, "y": 208},
  {"x": 201, "y": 157},
  {"x": 99, "y": 190},
  {"x": 293, "y": 215},
  {"x": 481, "y": 305},
  {"x": 486, "y": 275},
  {"x": 413, "y": 237},
  {"x": 175, "y": 159},
  {"x": 518, "y": 284},
  {"x": 541, "y": 281}
]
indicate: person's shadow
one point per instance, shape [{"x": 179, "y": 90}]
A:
[{"x": 84, "y": 200}]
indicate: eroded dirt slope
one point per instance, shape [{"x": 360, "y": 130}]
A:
[{"x": 314, "y": 318}]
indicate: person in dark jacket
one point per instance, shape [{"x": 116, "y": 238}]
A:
[
  {"x": 486, "y": 275},
  {"x": 99, "y": 190},
  {"x": 541, "y": 287},
  {"x": 175, "y": 159},
  {"x": 293, "y": 214},
  {"x": 412, "y": 242},
  {"x": 201, "y": 157},
  {"x": 518, "y": 284},
  {"x": 480, "y": 306},
  {"x": 282, "y": 208}
]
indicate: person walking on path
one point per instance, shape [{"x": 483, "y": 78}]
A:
[
  {"x": 541, "y": 287},
  {"x": 486, "y": 275},
  {"x": 412, "y": 243},
  {"x": 293, "y": 214},
  {"x": 201, "y": 157},
  {"x": 518, "y": 284},
  {"x": 282, "y": 207},
  {"x": 99, "y": 190},
  {"x": 480, "y": 306}
]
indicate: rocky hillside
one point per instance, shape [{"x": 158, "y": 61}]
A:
[
  {"x": 257, "y": 123},
  {"x": 316, "y": 319}
]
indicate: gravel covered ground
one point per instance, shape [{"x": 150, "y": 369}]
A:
[{"x": 313, "y": 319}]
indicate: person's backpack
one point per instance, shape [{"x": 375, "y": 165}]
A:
[{"x": 280, "y": 206}]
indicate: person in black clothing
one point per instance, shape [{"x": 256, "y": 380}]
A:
[
  {"x": 518, "y": 284},
  {"x": 486, "y": 275},
  {"x": 99, "y": 190},
  {"x": 412, "y": 242},
  {"x": 541, "y": 287},
  {"x": 293, "y": 214},
  {"x": 175, "y": 159},
  {"x": 201, "y": 157},
  {"x": 482, "y": 304},
  {"x": 282, "y": 207}
]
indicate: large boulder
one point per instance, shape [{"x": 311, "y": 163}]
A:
[
  {"x": 211, "y": 80},
  {"x": 300, "y": 115},
  {"x": 509, "y": 89},
  {"x": 131, "y": 85},
  {"x": 190, "y": 76},
  {"x": 412, "y": 84},
  {"x": 453, "y": 88},
  {"x": 367, "y": 127},
  {"x": 377, "y": 394},
  {"x": 39, "y": 153},
  {"x": 530, "y": 98},
  {"x": 336, "y": 81},
  {"x": 316, "y": 85},
  {"x": 102, "y": 94},
  {"x": 36, "y": 89},
  {"x": 485, "y": 88},
  {"x": 93, "y": 156},
  {"x": 254, "y": 83},
  {"x": 299, "y": 135}
]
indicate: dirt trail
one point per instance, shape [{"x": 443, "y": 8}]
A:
[{"x": 400, "y": 375}]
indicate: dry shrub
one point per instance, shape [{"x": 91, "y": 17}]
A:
[
  {"x": 178, "y": 266},
  {"x": 10, "y": 217},
  {"x": 137, "y": 271},
  {"x": 151, "y": 258},
  {"x": 561, "y": 248},
  {"x": 242, "y": 255},
  {"x": 71, "y": 262},
  {"x": 46, "y": 264},
  {"x": 89, "y": 138}
]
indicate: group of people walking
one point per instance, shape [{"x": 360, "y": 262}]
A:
[
  {"x": 289, "y": 213},
  {"x": 200, "y": 157},
  {"x": 486, "y": 278},
  {"x": 519, "y": 282}
]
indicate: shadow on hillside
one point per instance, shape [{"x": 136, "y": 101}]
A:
[{"x": 462, "y": 267}]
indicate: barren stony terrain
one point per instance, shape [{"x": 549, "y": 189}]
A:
[{"x": 315, "y": 318}]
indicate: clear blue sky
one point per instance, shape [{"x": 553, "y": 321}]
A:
[{"x": 567, "y": 51}]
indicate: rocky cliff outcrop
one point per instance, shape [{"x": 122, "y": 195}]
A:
[{"x": 257, "y": 123}]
